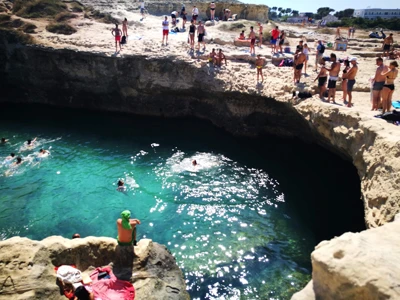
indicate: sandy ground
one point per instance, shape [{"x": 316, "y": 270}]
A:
[{"x": 145, "y": 36}]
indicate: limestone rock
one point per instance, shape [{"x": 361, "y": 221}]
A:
[
  {"x": 357, "y": 266},
  {"x": 373, "y": 150},
  {"x": 27, "y": 266}
]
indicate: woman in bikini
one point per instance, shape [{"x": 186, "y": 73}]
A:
[
  {"x": 212, "y": 10},
  {"x": 388, "y": 88},
  {"x": 344, "y": 80},
  {"x": 192, "y": 31},
  {"x": 125, "y": 27}
]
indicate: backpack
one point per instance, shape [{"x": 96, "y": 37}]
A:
[
  {"x": 322, "y": 50},
  {"x": 123, "y": 40}
]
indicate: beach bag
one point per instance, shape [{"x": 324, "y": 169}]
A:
[
  {"x": 282, "y": 63},
  {"x": 123, "y": 40}
]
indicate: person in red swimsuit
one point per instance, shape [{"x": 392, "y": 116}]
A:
[{"x": 116, "y": 32}]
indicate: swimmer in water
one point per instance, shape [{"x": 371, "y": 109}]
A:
[
  {"x": 121, "y": 187},
  {"x": 13, "y": 166},
  {"x": 3, "y": 140},
  {"x": 43, "y": 153},
  {"x": 194, "y": 163},
  {"x": 31, "y": 143},
  {"x": 9, "y": 159}
]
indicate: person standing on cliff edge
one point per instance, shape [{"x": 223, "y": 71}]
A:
[
  {"x": 127, "y": 229},
  {"x": 116, "y": 32}
]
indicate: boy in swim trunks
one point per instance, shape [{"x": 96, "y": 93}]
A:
[
  {"x": 165, "y": 27},
  {"x": 387, "y": 44},
  {"x": 127, "y": 229},
  {"x": 116, "y": 32},
  {"x": 212, "y": 57},
  {"x": 252, "y": 36},
  {"x": 298, "y": 64},
  {"x": 260, "y": 61}
]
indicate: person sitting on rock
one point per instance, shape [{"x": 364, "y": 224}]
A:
[
  {"x": 127, "y": 229},
  {"x": 242, "y": 36},
  {"x": 212, "y": 57},
  {"x": 220, "y": 57}
]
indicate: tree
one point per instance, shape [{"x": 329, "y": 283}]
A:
[
  {"x": 347, "y": 13},
  {"x": 280, "y": 9},
  {"x": 288, "y": 10},
  {"x": 274, "y": 8},
  {"x": 323, "y": 12},
  {"x": 295, "y": 13}
]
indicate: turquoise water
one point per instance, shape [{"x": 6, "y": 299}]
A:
[{"x": 235, "y": 231}]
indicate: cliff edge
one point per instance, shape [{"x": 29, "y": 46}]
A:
[{"x": 27, "y": 266}]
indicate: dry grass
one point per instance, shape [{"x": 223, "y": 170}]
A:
[
  {"x": 38, "y": 8},
  {"x": 29, "y": 28},
  {"x": 64, "y": 16},
  {"x": 60, "y": 28},
  {"x": 326, "y": 30},
  {"x": 14, "y": 36}
]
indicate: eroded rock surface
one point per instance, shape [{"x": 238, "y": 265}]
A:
[
  {"x": 374, "y": 147},
  {"x": 27, "y": 266},
  {"x": 357, "y": 266}
]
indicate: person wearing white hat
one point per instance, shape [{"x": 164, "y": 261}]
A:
[{"x": 351, "y": 79}]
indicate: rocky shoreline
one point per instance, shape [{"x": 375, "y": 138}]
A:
[{"x": 27, "y": 266}]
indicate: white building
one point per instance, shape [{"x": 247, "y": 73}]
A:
[
  {"x": 330, "y": 18},
  {"x": 373, "y": 13}
]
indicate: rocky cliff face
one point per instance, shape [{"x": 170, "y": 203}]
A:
[
  {"x": 135, "y": 84},
  {"x": 243, "y": 11},
  {"x": 374, "y": 149},
  {"x": 357, "y": 266},
  {"x": 27, "y": 266}
]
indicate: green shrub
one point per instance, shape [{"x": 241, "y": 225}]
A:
[
  {"x": 13, "y": 36},
  {"x": 38, "y": 8},
  {"x": 16, "y": 23},
  {"x": 326, "y": 31},
  {"x": 389, "y": 24},
  {"x": 76, "y": 7},
  {"x": 4, "y": 18},
  {"x": 29, "y": 28},
  {"x": 60, "y": 28},
  {"x": 61, "y": 17},
  {"x": 102, "y": 17}
]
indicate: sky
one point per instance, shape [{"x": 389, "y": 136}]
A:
[{"x": 312, "y": 6}]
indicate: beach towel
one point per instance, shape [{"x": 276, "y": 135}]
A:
[
  {"x": 396, "y": 104},
  {"x": 69, "y": 274},
  {"x": 110, "y": 288}
]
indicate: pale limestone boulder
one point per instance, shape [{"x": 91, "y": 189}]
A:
[
  {"x": 27, "y": 266},
  {"x": 357, "y": 266}
]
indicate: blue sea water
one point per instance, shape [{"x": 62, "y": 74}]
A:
[{"x": 233, "y": 222}]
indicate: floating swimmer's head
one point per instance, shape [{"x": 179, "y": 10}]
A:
[
  {"x": 19, "y": 160},
  {"x": 120, "y": 182},
  {"x": 12, "y": 154},
  {"x": 194, "y": 162},
  {"x": 29, "y": 142},
  {"x": 3, "y": 140}
]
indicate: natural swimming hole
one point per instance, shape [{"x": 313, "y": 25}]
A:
[{"x": 241, "y": 225}]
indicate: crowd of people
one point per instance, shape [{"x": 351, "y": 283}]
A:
[{"x": 329, "y": 70}]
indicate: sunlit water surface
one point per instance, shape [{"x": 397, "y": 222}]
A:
[{"x": 227, "y": 221}]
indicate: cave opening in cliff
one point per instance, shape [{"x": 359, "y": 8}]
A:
[{"x": 242, "y": 222}]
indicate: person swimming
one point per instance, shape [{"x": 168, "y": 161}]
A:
[
  {"x": 43, "y": 153},
  {"x": 31, "y": 143},
  {"x": 194, "y": 163},
  {"x": 9, "y": 159},
  {"x": 4, "y": 140},
  {"x": 121, "y": 187}
]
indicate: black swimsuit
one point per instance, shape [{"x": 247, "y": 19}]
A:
[{"x": 192, "y": 29}]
